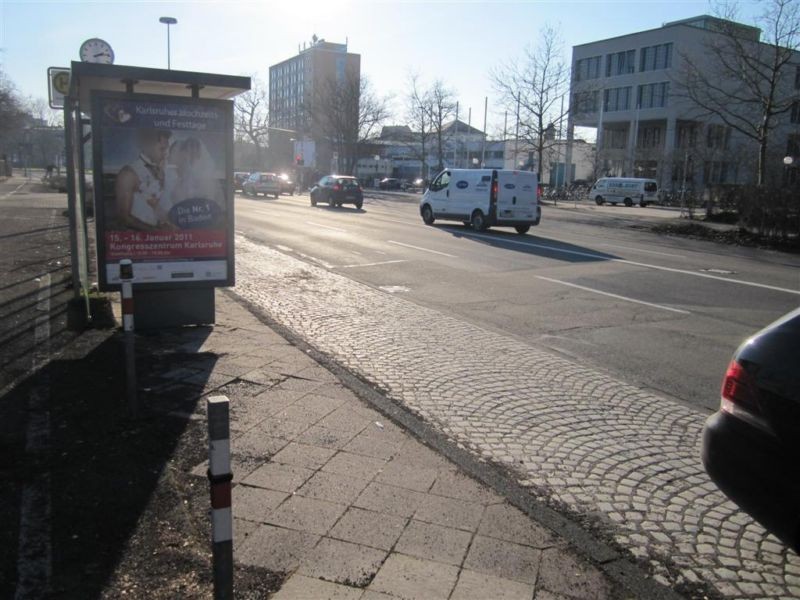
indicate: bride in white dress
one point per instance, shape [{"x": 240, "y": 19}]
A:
[{"x": 190, "y": 174}]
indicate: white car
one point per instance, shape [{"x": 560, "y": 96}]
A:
[
  {"x": 628, "y": 190},
  {"x": 483, "y": 198}
]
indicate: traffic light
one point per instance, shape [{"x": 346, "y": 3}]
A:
[{"x": 298, "y": 160}]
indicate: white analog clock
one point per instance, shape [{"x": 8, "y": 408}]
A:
[{"x": 95, "y": 50}]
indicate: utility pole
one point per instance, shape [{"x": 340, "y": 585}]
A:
[{"x": 483, "y": 148}]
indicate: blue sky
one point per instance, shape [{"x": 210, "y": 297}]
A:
[{"x": 459, "y": 42}]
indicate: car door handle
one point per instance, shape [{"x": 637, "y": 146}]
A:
[{"x": 514, "y": 200}]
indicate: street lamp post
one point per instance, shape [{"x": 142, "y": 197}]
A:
[{"x": 168, "y": 21}]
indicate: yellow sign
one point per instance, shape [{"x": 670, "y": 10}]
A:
[{"x": 61, "y": 82}]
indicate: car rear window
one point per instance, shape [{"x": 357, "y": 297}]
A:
[{"x": 349, "y": 183}]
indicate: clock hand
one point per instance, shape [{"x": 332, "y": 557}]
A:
[{"x": 101, "y": 54}]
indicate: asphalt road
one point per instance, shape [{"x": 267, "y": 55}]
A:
[{"x": 659, "y": 312}]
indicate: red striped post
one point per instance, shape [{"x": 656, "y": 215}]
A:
[
  {"x": 126, "y": 277},
  {"x": 219, "y": 477}
]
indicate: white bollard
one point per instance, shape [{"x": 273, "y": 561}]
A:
[{"x": 220, "y": 477}]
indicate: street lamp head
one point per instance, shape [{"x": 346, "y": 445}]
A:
[
  {"x": 788, "y": 160},
  {"x": 168, "y": 20}
]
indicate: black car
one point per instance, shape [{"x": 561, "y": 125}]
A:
[
  {"x": 337, "y": 190},
  {"x": 390, "y": 183},
  {"x": 751, "y": 446}
]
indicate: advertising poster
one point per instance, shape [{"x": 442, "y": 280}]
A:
[{"x": 163, "y": 167}]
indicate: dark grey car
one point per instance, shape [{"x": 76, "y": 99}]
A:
[{"x": 751, "y": 446}]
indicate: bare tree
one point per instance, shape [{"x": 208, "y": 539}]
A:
[
  {"x": 12, "y": 115},
  {"x": 442, "y": 103},
  {"x": 747, "y": 83},
  {"x": 535, "y": 85},
  {"x": 419, "y": 116},
  {"x": 349, "y": 112},
  {"x": 251, "y": 117}
]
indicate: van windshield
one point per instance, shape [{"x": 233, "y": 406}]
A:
[{"x": 650, "y": 186}]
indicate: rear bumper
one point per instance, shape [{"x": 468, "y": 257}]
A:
[{"x": 753, "y": 470}]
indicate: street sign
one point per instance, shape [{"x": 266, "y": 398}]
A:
[{"x": 57, "y": 86}]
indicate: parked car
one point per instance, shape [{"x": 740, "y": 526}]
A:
[
  {"x": 337, "y": 190},
  {"x": 751, "y": 446},
  {"x": 482, "y": 198},
  {"x": 239, "y": 177},
  {"x": 262, "y": 183},
  {"x": 287, "y": 185},
  {"x": 628, "y": 190},
  {"x": 389, "y": 183}
]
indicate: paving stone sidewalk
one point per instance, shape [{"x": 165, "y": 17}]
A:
[
  {"x": 350, "y": 506},
  {"x": 617, "y": 456}
]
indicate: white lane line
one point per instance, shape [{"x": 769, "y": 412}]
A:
[
  {"x": 14, "y": 191},
  {"x": 34, "y": 552},
  {"x": 422, "y": 249},
  {"x": 372, "y": 264},
  {"x": 319, "y": 261},
  {"x": 326, "y": 226},
  {"x": 640, "y": 250},
  {"x": 283, "y": 248},
  {"x": 617, "y": 296},
  {"x": 635, "y": 263}
]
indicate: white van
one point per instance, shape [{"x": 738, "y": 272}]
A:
[
  {"x": 628, "y": 190},
  {"x": 482, "y": 198}
]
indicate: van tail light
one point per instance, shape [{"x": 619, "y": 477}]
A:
[
  {"x": 538, "y": 192},
  {"x": 740, "y": 395}
]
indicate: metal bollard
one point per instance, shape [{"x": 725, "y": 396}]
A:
[
  {"x": 126, "y": 277},
  {"x": 220, "y": 477}
]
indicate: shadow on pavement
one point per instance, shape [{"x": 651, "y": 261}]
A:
[
  {"x": 107, "y": 469},
  {"x": 529, "y": 244}
]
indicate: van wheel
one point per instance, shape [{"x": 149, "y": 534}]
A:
[
  {"x": 522, "y": 229},
  {"x": 359, "y": 204},
  {"x": 599, "y": 201},
  {"x": 427, "y": 215},
  {"x": 467, "y": 224},
  {"x": 628, "y": 202},
  {"x": 276, "y": 196},
  {"x": 642, "y": 203},
  {"x": 478, "y": 221}
]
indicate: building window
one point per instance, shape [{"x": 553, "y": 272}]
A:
[
  {"x": 717, "y": 137},
  {"x": 649, "y": 137},
  {"x": 617, "y": 99},
  {"x": 797, "y": 77},
  {"x": 615, "y": 139},
  {"x": 586, "y": 102},
  {"x": 653, "y": 95},
  {"x": 657, "y": 57},
  {"x": 795, "y": 116},
  {"x": 587, "y": 68},
  {"x": 715, "y": 171},
  {"x": 620, "y": 63}
]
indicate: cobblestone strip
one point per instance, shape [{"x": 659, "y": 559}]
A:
[{"x": 580, "y": 439}]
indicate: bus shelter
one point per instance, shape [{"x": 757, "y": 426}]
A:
[{"x": 150, "y": 154}]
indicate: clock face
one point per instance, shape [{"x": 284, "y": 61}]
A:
[{"x": 96, "y": 50}]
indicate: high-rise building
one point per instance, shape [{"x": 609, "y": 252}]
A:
[{"x": 295, "y": 88}]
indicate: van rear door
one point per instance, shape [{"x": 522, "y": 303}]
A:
[{"x": 516, "y": 196}]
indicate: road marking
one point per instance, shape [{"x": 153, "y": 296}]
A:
[
  {"x": 284, "y": 248},
  {"x": 34, "y": 552},
  {"x": 635, "y": 263},
  {"x": 319, "y": 261},
  {"x": 617, "y": 296},
  {"x": 14, "y": 191},
  {"x": 372, "y": 264},
  {"x": 422, "y": 249},
  {"x": 640, "y": 250},
  {"x": 326, "y": 226}
]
